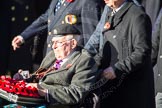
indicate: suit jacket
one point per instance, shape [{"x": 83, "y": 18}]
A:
[
  {"x": 87, "y": 13},
  {"x": 69, "y": 85},
  {"x": 134, "y": 86},
  {"x": 157, "y": 52}
]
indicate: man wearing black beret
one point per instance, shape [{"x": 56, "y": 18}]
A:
[{"x": 66, "y": 73}]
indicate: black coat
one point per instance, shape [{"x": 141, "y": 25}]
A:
[
  {"x": 134, "y": 86},
  {"x": 157, "y": 52}
]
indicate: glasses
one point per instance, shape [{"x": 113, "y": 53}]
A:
[{"x": 59, "y": 44}]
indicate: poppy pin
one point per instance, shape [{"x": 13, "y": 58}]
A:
[
  {"x": 107, "y": 25},
  {"x": 69, "y": 1}
]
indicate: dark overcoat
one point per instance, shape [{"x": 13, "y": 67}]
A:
[
  {"x": 134, "y": 86},
  {"x": 157, "y": 52}
]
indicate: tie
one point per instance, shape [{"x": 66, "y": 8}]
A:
[
  {"x": 113, "y": 12},
  {"x": 57, "y": 64},
  {"x": 112, "y": 16},
  {"x": 58, "y": 5}
]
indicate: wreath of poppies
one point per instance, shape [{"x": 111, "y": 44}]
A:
[{"x": 17, "y": 87}]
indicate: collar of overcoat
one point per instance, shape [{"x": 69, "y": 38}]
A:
[
  {"x": 119, "y": 15},
  {"x": 50, "y": 59}
]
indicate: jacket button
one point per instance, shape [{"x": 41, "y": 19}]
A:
[
  {"x": 62, "y": 22},
  {"x": 160, "y": 56},
  {"x": 114, "y": 36},
  {"x": 49, "y": 33},
  {"x": 159, "y": 75},
  {"x": 49, "y": 45},
  {"x": 13, "y": 19},
  {"x": 26, "y": 19},
  {"x": 27, "y": 7},
  {"x": 49, "y": 21},
  {"x": 13, "y": 8}
]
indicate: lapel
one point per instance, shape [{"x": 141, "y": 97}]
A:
[
  {"x": 52, "y": 7},
  {"x": 59, "y": 13},
  {"x": 48, "y": 60},
  {"x": 119, "y": 15},
  {"x": 46, "y": 63},
  {"x": 70, "y": 62}
]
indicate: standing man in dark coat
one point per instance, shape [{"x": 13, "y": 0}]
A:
[
  {"x": 125, "y": 48},
  {"x": 157, "y": 58},
  {"x": 61, "y": 11}
]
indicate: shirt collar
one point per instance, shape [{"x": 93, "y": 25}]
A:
[
  {"x": 116, "y": 10},
  {"x": 66, "y": 58}
]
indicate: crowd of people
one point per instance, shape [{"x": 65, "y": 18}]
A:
[{"x": 117, "y": 45}]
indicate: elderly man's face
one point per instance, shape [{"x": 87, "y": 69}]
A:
[
  {"x": 114, "y": 3},
  {"x": 63, "y": 46}
]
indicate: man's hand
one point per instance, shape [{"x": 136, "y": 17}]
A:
[
  {"x": 109, "y": 73},
  {"x": 17, "y": 41},
  {"x": 41, "y": 91}
]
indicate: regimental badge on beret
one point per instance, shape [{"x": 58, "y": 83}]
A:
[
  {"x": 107, "y": 25},
  {"x": 70, "y": 19}
]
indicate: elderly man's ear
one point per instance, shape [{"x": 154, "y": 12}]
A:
[{"x": 74, "y": 43}]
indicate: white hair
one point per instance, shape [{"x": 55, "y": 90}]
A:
[
  {"x": 69, "y": 37},
  {"x": 73, "y": 36}
]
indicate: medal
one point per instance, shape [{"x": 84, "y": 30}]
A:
[{"x": 70, "y": 19}]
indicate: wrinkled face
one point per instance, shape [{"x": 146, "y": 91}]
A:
[
  {"x": 114, "y": 3},
  {"x": 62, "y": 46}
]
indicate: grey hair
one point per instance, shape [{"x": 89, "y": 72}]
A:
[{"x": 76, "y": 37}]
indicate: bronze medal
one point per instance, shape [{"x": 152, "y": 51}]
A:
[{"x": 70, "y": 19}]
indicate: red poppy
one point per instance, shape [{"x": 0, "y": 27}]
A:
[
  {"x": 69, "y": 1},
  {"x": 107, "y": 25}
]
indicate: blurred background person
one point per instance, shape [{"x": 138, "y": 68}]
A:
[
  {"x": 16, "y": 15},
  {"x": 157, "y": 58}
]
